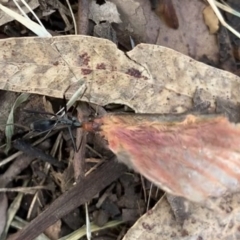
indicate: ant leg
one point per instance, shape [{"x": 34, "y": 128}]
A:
[{"x": 74, "y": 144}]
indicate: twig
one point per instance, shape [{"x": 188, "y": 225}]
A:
[
  {"x": 79, "y": 194},
  {"x": 83, "y": 11}
]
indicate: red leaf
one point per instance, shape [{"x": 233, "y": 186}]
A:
[{"x": 196, "y": 157}]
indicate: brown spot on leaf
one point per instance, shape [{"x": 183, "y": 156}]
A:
[
  {"x": 147, "y": 226},
  {"x": 134, "y": 72},
  {"x": 56, "y": 63},
  {"x": 84, "y": 59},
  {"x": 86, "y": 71},
  {"x": 184, "y": 233},
  {"x": 101, "y": 66},
  {"x": 14, "y": 53},
  {"x": 114, "y": 68}
]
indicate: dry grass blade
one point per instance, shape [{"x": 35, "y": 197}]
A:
[
  {"x": 29, "y": 190},
  {"x": 29, "y": 8},
  {"x": 221, "y": 19},
  {"x": 10, "y": 127},
  {"x": 82, "y": 231},
  {"x": 34, "y": 27},
  {"x": 13, "y": 210},
  {"x": 227, "y": 8},
  {"x": 73, "y": 17},
  {"x": 76, "y": 96},
  {"x": 18, "y": 223},
  {"x": 46, "y": 172},
  {"x": 73, "y": 99},
  {"x": 88, "y": 224}
]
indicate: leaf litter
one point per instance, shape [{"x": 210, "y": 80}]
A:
[{"x": 182, "y": 85}]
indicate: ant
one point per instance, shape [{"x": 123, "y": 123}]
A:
[{"x": 64, "y": 120}]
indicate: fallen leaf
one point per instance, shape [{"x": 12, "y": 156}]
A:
[
  {"x": 160, "y": 223},
  {"x": 192, "y": 38},
  {"x": 149, "y": 79},
  {"x": 180, "y": 154},
  {"x": 105, "y": 12}
]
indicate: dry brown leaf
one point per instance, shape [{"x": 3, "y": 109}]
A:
[
  {"x": 149, "y": 78},
  {"x": 105, "y": 12},
  {"x": 159, "y": 223},
  {"x": 192, "y": 37},
  {"x": 211, "y": 19}
]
